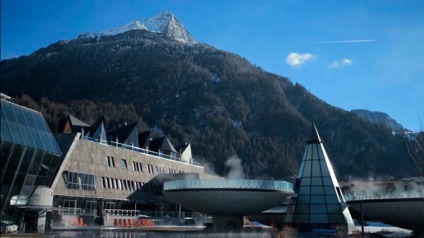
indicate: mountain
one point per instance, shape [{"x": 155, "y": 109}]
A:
[
  {"x": 164, "y": 23},
  {"x": 216, "y": 100},
  {"x": 379, "y": 117}
]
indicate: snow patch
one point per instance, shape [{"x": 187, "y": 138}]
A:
[{"x": 163, "y": 23}]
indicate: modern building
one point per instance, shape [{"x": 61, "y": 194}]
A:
[
  {"x": 87, "y": 170},
  {"x": 30, "y": 158},
  {"x": 318, "y": 202}
]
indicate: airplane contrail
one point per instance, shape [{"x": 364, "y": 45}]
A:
[{"x": 341, "y": 41}]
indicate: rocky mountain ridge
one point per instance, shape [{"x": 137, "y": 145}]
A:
[{"x": 164, "y": 23}]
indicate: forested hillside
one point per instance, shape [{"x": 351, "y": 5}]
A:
[{"x": 214, "y": 99}]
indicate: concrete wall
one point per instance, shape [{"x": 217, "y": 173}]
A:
[{"x": 91, "y": 158}]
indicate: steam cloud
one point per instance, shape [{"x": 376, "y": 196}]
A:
[{"x": 236, "y": 169}]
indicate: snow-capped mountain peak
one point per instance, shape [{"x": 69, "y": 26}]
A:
[
  {"x": 159, "y": 22},
  {"x": 164, "y": 23},
  {"x": 135, "y": 25}
]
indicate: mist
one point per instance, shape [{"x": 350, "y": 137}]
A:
[{"x": 236, "y": 168}]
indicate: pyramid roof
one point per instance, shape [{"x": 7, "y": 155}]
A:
[{"x": 163, "y": 144}]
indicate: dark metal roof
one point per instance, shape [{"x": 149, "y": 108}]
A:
[
  {"x": 182, "y": 147},
  {"x": 144, "y": 139},
  {"x": 123, "y": 132},
  {"x": 94, "y": 127},
  {"x": 163, "y": 144},
  {"x": 77, "y": 122}
]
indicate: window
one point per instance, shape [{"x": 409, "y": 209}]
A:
[
  {"x": 123, "y": 164},
  {"x": 137, "y": 166},
  {"x": 110, "y": 161},
  {"x": 107, "y": 183},
  {"x": 80, "y": 181},
  {"x": 150, "y": 169}
]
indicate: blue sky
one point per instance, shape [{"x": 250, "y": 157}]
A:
[{"x": 352, "y": 54}]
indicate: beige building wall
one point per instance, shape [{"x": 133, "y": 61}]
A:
[{"x": 92, "y": 158}]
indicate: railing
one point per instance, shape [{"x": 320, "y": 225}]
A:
[
  {"x": 228, "y": 183},
  {"x": 74, "y": 211},
  {"x": 141, "y": 150},
  {"x": 349, "y": 197}
]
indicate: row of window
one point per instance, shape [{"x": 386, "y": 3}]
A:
[
  {"x": 129, "y": 185},
  {"x": 138, "y": 166}
]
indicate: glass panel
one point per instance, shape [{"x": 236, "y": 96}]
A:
[
  {"x": 330, "y": 190},
  {"x": 33, "y": 129},
  {"x": 316, "y": 156},
  {"x": 7, "y": 178},
  {"x": 42, "y": 132},
  {"x": 26, "y": 160},
  {"x": 303, "y": 199},
  {"x": 5, "y": 150},
  {"x": 302, "y": 209},
  {"x": 324, "y": 168},
  {"x": 334, "y": 209},
  {"x": 307, "y": 171},
  {"x": 123, "y": 164},
  {"x": 301, "y": 218},
  {"x": 316, "y": 170},
  {"x": 317, "y": 190},
  {"x": 44, "y": 167},
  {"x": 306, "y": 181},
  {"x": 317, "y": 199},
  {"x": 23, "y": 126},
  {"x": 327, "y": 181},
  {"x": 332, "y": 199},
  {"x": 39, "y": 180},
  {"x": 53, "y": 143},
  {"x": 15, "y": 158},
  {"x": 317, "y": 181},
  {"x": 13, "y": 124},
  {"x": 322, "y": 208},
  {"x": 6, "y": 134},
  {"x": 304, "y": 190},
  {"x": 319, "y": 218},
  {"x": 309, "y": 153}
]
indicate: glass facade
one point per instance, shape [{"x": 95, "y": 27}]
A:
[
  {"x": 319, "y": 199},
  {"x": 80, "y": 181},
  {"x": 29, "y": 154}
]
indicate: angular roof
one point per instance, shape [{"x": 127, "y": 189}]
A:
[
  {"x": 95, "y": 126},
  {"x": 123, "y": 132},
  {"x": 77, "y": 122},
  {"x": 163, "y": 144},
  {"x": 182, "y": 147},
  {"x": 144, "y": 139}
]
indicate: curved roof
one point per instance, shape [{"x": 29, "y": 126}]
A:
[
  {"x": 401, "y": 212},
  {"x": 228, "y": 197}
]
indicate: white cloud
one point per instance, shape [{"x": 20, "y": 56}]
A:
[
  {"x": 340, "y": 63},
  {"x": 296, "y": 59}
]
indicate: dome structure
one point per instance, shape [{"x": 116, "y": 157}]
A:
[{"x": 228, "y": 200}]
